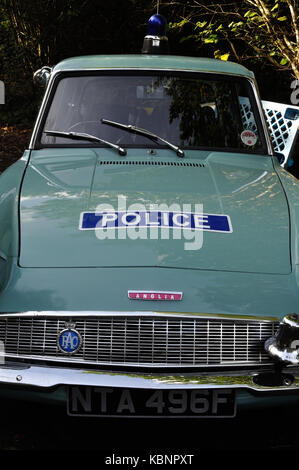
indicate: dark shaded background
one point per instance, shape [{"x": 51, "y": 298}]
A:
[
  {"x": 31, "y": 426},
  {"x": 43, "y": 32}
]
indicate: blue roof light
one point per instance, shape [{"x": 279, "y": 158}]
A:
[
  {"x": 157, "y": 25},
  {"x": 156, "y": 41}
]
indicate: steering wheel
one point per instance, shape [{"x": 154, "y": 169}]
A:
[{"x": 82, "y": 123}]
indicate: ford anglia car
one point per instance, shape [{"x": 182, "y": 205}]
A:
[{"x": 149, "y": 245}]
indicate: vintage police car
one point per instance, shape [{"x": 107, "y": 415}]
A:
[{"x": 149, "y": 244}]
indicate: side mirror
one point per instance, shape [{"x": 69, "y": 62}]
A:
[
  {"x": 41, "y": 76},
  {"x": 280, "y": 157}
]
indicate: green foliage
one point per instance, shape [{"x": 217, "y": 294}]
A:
[{"x": 253, "y": 29}]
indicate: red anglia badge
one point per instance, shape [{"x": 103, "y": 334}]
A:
[{"x": 154, "y": 295}]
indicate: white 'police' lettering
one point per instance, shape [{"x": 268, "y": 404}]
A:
[{"x": 159, "y": 219}]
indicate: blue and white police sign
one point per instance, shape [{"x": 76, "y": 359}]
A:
[
  {"x": 69, "y": 341},
  {"x": 161, "y": 219}
]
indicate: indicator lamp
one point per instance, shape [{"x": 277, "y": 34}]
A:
[{"x": 156, "y": 41}]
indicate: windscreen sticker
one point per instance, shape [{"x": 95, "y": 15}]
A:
[
  {"x": 161, "y": 219},
  {"x": 248, "y": 137}
]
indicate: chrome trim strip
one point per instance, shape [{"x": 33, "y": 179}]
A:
[
  {"x": 46, "y": 377},
  {"x": 101, "y": 313},
  {"x": 41, "y": 111},
  {"x": 148, "y": 69},
  {"x": 262, "y": 115},
  {"x": 68, "y": 360}
]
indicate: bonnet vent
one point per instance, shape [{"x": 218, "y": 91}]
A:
[{"x": 150, "y": 163}]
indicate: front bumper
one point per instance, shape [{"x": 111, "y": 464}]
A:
[{"x": 43, "y": 378}]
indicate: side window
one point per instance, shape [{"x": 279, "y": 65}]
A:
[{"x": 250, "y": 132}]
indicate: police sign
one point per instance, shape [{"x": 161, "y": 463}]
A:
[{"x": 161, "y": 219}]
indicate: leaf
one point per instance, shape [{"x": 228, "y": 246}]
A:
[
  {"x": 218, "y": 55},
  {"x": 282, "y": 18},
  {"x": 210, "y": 40},
  {"x": 177, "y": 25},
  {"x": 200, "y": 24},
  {"x": 283, "y": 61},
  {"x": 252, "y": 14},
  {"x": 185, "y": 38},
  {"x": 224, "y": 56},
  {"x": 275, "y": 7}
]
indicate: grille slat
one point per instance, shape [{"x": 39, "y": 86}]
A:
[{"x": 142, "y": 340}]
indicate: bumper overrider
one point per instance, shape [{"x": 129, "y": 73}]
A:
[
  {"x": 284, "y": 345},
  {"x": 279, "y": 374}
]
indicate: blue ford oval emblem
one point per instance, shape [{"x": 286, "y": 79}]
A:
[{"x": 69, "y": 341}]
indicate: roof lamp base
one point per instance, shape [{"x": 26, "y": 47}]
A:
[{"x": 155, "y": 45}]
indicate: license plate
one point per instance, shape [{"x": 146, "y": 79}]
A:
[{"x": 146, "y": 403}]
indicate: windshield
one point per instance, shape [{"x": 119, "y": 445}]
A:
[{"x": 188, "y": 110}]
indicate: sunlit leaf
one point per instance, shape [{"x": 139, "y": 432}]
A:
[
  {"x": 275, "y": 7},
  {"x": 200, "y": 24},
  {"x": 224, "y": 56}
]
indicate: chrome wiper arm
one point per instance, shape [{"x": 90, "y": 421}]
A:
[
  {"x": 145, "y": 132},
  {"x": 84, "y": 136}
]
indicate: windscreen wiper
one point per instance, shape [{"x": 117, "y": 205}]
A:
[
  {"x": 146, "y": 133},
  {"x": 83, "y": 136}
]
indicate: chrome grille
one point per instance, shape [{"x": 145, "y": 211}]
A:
[{"x": 141, "y": 340}]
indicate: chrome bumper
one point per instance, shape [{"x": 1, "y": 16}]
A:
[{"x": 45, "y": 377}]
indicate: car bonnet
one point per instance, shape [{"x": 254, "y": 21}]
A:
[{"x": 61, "y": 185}]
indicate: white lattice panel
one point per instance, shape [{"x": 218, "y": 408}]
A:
[
  {"x": 283, "y": 123},
  {"x": 282, "y": 120},
  {"x": 246, "y": 114}
]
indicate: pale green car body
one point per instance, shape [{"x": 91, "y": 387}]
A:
[{"x": 48, "y": 264}]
